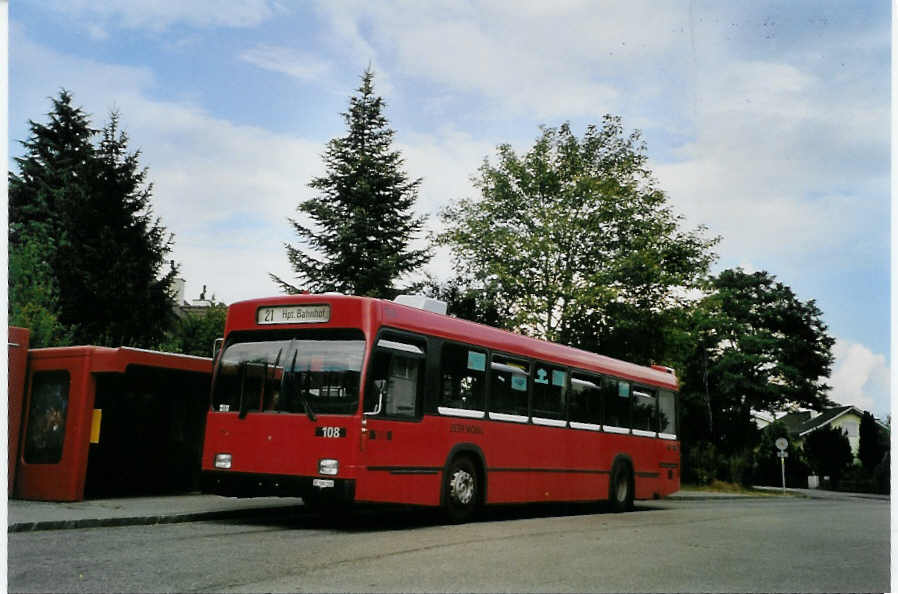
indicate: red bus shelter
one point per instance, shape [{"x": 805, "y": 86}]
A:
[
  {"x": 99, "y": 422},
  {"x": 17, "y": 348}
]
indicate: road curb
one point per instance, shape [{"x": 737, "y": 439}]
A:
[
  {"x": 712, "y": 497},
  {"x": 146, "y": 520},
  {"x": 698, "y": 496}
]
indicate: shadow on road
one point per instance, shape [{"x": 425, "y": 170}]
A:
[{"x": 363, "y": 518}]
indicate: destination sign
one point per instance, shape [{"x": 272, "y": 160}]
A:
[{"x": 293, "y": 314}]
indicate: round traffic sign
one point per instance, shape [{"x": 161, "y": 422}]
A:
[{"x": 782, "y": 443}]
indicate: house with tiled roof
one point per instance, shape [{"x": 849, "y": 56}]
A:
[{"x": 847, "y": 418}]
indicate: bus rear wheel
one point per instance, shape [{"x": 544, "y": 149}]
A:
[
  {"x": 621, "y": 488},
  {"x": 461, "y": 490}
]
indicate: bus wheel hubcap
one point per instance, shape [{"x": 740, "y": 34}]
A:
[
  {"x": 461, "y": 488},
  {"x": 622, "y": 488}
]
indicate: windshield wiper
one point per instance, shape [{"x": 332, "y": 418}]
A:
[
  {"x": 300, "y": 390},
  {"x": 244, "y": 402},
  {"x": 303, "y": 395},
  {"x": 277, "y": 359}
]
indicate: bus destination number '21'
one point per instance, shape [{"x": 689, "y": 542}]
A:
[{"x": 331, "y": 432}]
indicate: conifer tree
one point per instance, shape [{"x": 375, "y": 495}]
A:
[
  {"x": 873, "y": 443},
  {"x": 362, "y": 213},
  {"x": 117, "y": 281},
  {"x": 87, "y": 209},
  {"x": 50, "y": 175}
]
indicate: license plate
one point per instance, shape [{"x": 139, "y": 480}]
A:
[
  {"x": 293, "y": 314},
  {"x": 323, "y": 483}
]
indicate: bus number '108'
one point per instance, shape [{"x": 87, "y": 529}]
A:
[{"x": 330, "y": 431}]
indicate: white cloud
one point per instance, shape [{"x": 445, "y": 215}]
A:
[
  {"x": 779, "y": 167},
  {"x": 162, "y": 14},
  {"x": 532, "y": 60},
  {"x": 224, "y": 190},
  {"x": 860, "y": 378},
  {"x": 445, "y": 160},
  {"x": 781, "y": 155},
  {"x": 287, "y": 61}
]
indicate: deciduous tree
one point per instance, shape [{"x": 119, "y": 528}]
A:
[
  {"x": 34, "y": 294},
  {"x": 757, "y": 347},
  {"x": 194, "y": 334},
  {"x": 578, "y": 243}
]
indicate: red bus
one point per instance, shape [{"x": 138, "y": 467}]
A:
[{"x": 340, "y": 398}]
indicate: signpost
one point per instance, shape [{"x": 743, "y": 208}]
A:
[{"x": 781, "y": 444}]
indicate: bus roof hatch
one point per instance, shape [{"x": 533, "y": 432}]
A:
[{"x": 422, "y": 302}]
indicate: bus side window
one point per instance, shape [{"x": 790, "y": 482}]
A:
[
  {"x": 549, "y": 391},
  {"x": 508, "y": 386},
  {"x": 667, "y": 413},
  {"x": 616, "y": 399},
  {"x": 397, "y": 373},
  {"x": 463, "y": 383},
  {"x": 586, "y": 400},
  {"x": 645, "y": 412}
]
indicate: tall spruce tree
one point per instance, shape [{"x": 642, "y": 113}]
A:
[
  {"x": 50, "y": 176},
  {"x": 362, "y": 213},
  {"x": 118, "y": 279},
  {"x": 88, "y": 208}
]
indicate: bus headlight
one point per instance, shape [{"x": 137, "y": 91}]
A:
[
  {"x": 328, "y": 466},
  {"x": 222, "y": 460}
]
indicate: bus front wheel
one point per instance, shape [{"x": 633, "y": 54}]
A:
[
  {"x": 462, "y": 490},
  {"x": 621, "y": 488}
]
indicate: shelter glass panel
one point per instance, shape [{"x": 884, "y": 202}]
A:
[{"x": 45, "y": 435}]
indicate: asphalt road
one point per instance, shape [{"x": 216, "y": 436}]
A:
[{"x": 753, "y": 545}]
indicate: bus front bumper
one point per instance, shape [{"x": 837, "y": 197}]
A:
[{"x": 243, "y": 484}]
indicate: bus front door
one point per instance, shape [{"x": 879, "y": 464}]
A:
[{"x": 396, "y": 449}]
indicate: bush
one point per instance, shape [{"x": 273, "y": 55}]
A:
[
  {"x": 829, "y": 453},
  {"x": 882, "y": 474},
  {"x": 767, "y": 466},
  {"x": 703, "y": 462},
  {"x": 740, "y": 468},
  {"x": 194, "y": 333},
  {"x": 858, "y": 480}
]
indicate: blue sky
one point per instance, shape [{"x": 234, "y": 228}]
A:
[{"x": 766, "y": 121}]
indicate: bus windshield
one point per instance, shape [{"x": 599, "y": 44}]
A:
[{"x": 307, "y": 372}]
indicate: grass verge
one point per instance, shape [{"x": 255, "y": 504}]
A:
[{"x": 724, "y": 487}]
